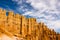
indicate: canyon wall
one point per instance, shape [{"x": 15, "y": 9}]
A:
[{"x": 19, "y": 26}]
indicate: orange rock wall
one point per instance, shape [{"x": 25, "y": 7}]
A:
[{"x": 27, "y": 28}]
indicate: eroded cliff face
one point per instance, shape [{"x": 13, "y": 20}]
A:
[{"x": 18, "y": 27}]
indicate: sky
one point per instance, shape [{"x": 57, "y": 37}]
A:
[{"x": 47, "y": 11}]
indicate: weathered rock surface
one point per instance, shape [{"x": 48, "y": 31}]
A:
[{"x": 18, "y": 27}]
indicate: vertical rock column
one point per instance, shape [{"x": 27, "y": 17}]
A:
[
  {"x": 10, "y": 21},
  {"x": 37, "y": 30},
  {"x": 31, "y": 28},
  {"x": 2, "y": 16},
  {"x": 46, "y": 35},
  {"x": 33, "y": 22},
  {"x": 41, "y": 31},
  {"x": 33, "y": 33},
  {"x": 17, "y": 24},
  {"x": 58, "y": 36},
  {"x": 53, "y": 35},
  {"x": 28, "y": 27},
  {"x": 24, "y": 22}
]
